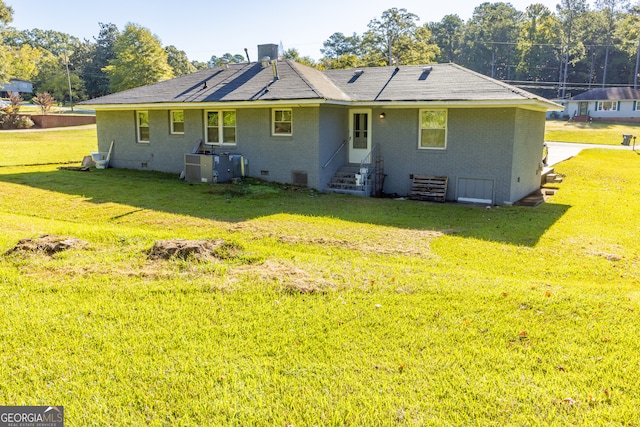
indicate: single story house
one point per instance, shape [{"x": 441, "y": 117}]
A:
[
  {"x": 605, "y": 104},
  {"x": 16, "y": 86},
  {"x": 294, "y": 124}
]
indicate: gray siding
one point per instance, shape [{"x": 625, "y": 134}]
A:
[
  {"x": 269, "y": 157},
  {"x": 275, "y": 158},
  {"x": 334, "y": 131},
  {"x": 479, "y": 146},
  {"x": 527, "y": 154}
]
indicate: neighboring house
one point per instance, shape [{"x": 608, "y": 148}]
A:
[
  {"x": 16, "y": 86},
  {"x": 294, "y": 124},
  {"x": 605, "y": 104}
]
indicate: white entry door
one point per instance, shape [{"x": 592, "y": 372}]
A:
[{"x": 359, "y": 135}]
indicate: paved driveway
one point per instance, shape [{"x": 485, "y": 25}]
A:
[{"x": 560, "y": 151}]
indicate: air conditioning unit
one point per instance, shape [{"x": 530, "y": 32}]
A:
[{"x": 206, "y": 168}]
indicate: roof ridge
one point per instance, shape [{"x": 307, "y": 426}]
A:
[{"x": 294, "y": 65}]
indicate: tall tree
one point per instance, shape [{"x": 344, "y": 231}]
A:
[
  {"x": 99, "y": 53},
  {"x": 490, "y": 39},
  {"x": 139, "y": 60},
  {"x": 386, "y": 37},
  {"x": 178, "y": 61},
  {"x": 538, "y": 44},
  {"x": 448, "y": 34},
  {"x": 6, "y": 16},
  {"x": 610, "y": 9},
  {"x": 570, "y": 13},
  {"x": 338, "y": 45}
]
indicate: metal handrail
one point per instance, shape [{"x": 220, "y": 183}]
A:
[
  {"x": 369, "y": 156},
  {"x": 334, "y": 154}
]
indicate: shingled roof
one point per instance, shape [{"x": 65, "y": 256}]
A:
[
  {"x": 608, "y": 94},
  {"x": 254, "y": 82}
]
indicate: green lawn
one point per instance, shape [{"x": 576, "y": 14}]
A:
[
  {"x": 321, "y": 309},
  {"x": 25, "y": 147},
  {"x": 589, "y": 133}
]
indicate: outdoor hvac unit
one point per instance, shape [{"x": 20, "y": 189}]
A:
[{"x": 213, "y": 168}]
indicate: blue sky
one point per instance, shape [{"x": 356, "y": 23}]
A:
[{"x": 206, "y": 28}]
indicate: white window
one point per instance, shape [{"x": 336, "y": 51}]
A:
[
  {"x": 282, "y": 122},
  {"x": 220, "y": 127},
  {"x": 433, "y": 129},
  {"x": 142, "y": 126},
  {"x": 177, "y": 122},
  {"x": 607, "y": 105}
]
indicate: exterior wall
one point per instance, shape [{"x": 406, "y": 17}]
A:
[
  {"x": 527, "y": 154},
  {"x": 334, "y": 131},
  {"x": 270, "y": 158},
  {"x": 275, "y": 158},
  {"x": 479, "y": 146}
]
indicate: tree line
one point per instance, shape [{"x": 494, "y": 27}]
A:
[{"x": 551, "y": 53}]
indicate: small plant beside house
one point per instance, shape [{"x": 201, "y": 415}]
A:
[
  {"x": 44, "y": 101},
  {"x": 9, "y": 115}
]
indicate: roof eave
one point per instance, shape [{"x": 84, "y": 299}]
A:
[{"x": 202, "y": 105}]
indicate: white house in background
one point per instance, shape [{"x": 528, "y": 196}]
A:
[{"x": 613, "y": 104}]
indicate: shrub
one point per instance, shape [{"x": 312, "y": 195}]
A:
[{"x": 45, "y": 101}]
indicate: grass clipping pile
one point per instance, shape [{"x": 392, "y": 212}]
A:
[
  {"x": 47, "y": 244},
  {"x": 201, "y": 250}
]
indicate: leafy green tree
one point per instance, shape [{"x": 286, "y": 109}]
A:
[
  {"x": 338, "y": 45},
  {"x": 490, "y": 38},
  {"x": 538, "y": 45},
  {"x": 388, "y": 36},
  {"x": 232, "y": 59},
  {"x": 139, "y": 60},
  {"x": 199, "y": 65},
  {"x": 610, "y": 9},
  {"x": 178, "y": 61},
  {"x": 6, "y": 13},
  {"x": 628, "y": 32},
  {"x": 348, "y": 60},
  {"x": 571, "y": 14},
  {"x": 448, "y": 35},
  {"x": 98, "y": 55},
  {"x": 294, "y": 55},
  {"x": 54, "y": 41},
  {"x": 6, "y": 16}
]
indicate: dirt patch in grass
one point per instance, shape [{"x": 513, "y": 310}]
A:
[
  {"x": 356, "y": 237},
  {"x": 47, "y": 244},
  {"x": 285, "y": 275}
]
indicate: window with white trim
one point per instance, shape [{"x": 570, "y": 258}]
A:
[
  {"x": 142, "y": 126},
  {"x": 177, "y": 122},
  {"x": 282, "y": 122},
  {"x": 433, "y": 129},
  {"x": 607, "y": 105},
  {"x": 220, "y": 127}
]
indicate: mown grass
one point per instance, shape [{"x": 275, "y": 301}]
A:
[
  {"x": 26, "y": 147},
  {"x": 589, "y": 133},
  {"x": 331, "y": 310}
]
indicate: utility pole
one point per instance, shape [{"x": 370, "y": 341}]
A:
[
  {"x": 635, "y": 76},
  {"x": 66, "y": 62}
]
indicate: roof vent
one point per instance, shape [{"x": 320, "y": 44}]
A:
[
  {"x": 265, "y": 61},
  {"x": 427, "y": 69},
  {"x": 225, "y": 63},
  {"x": 358, "y": 73}
]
